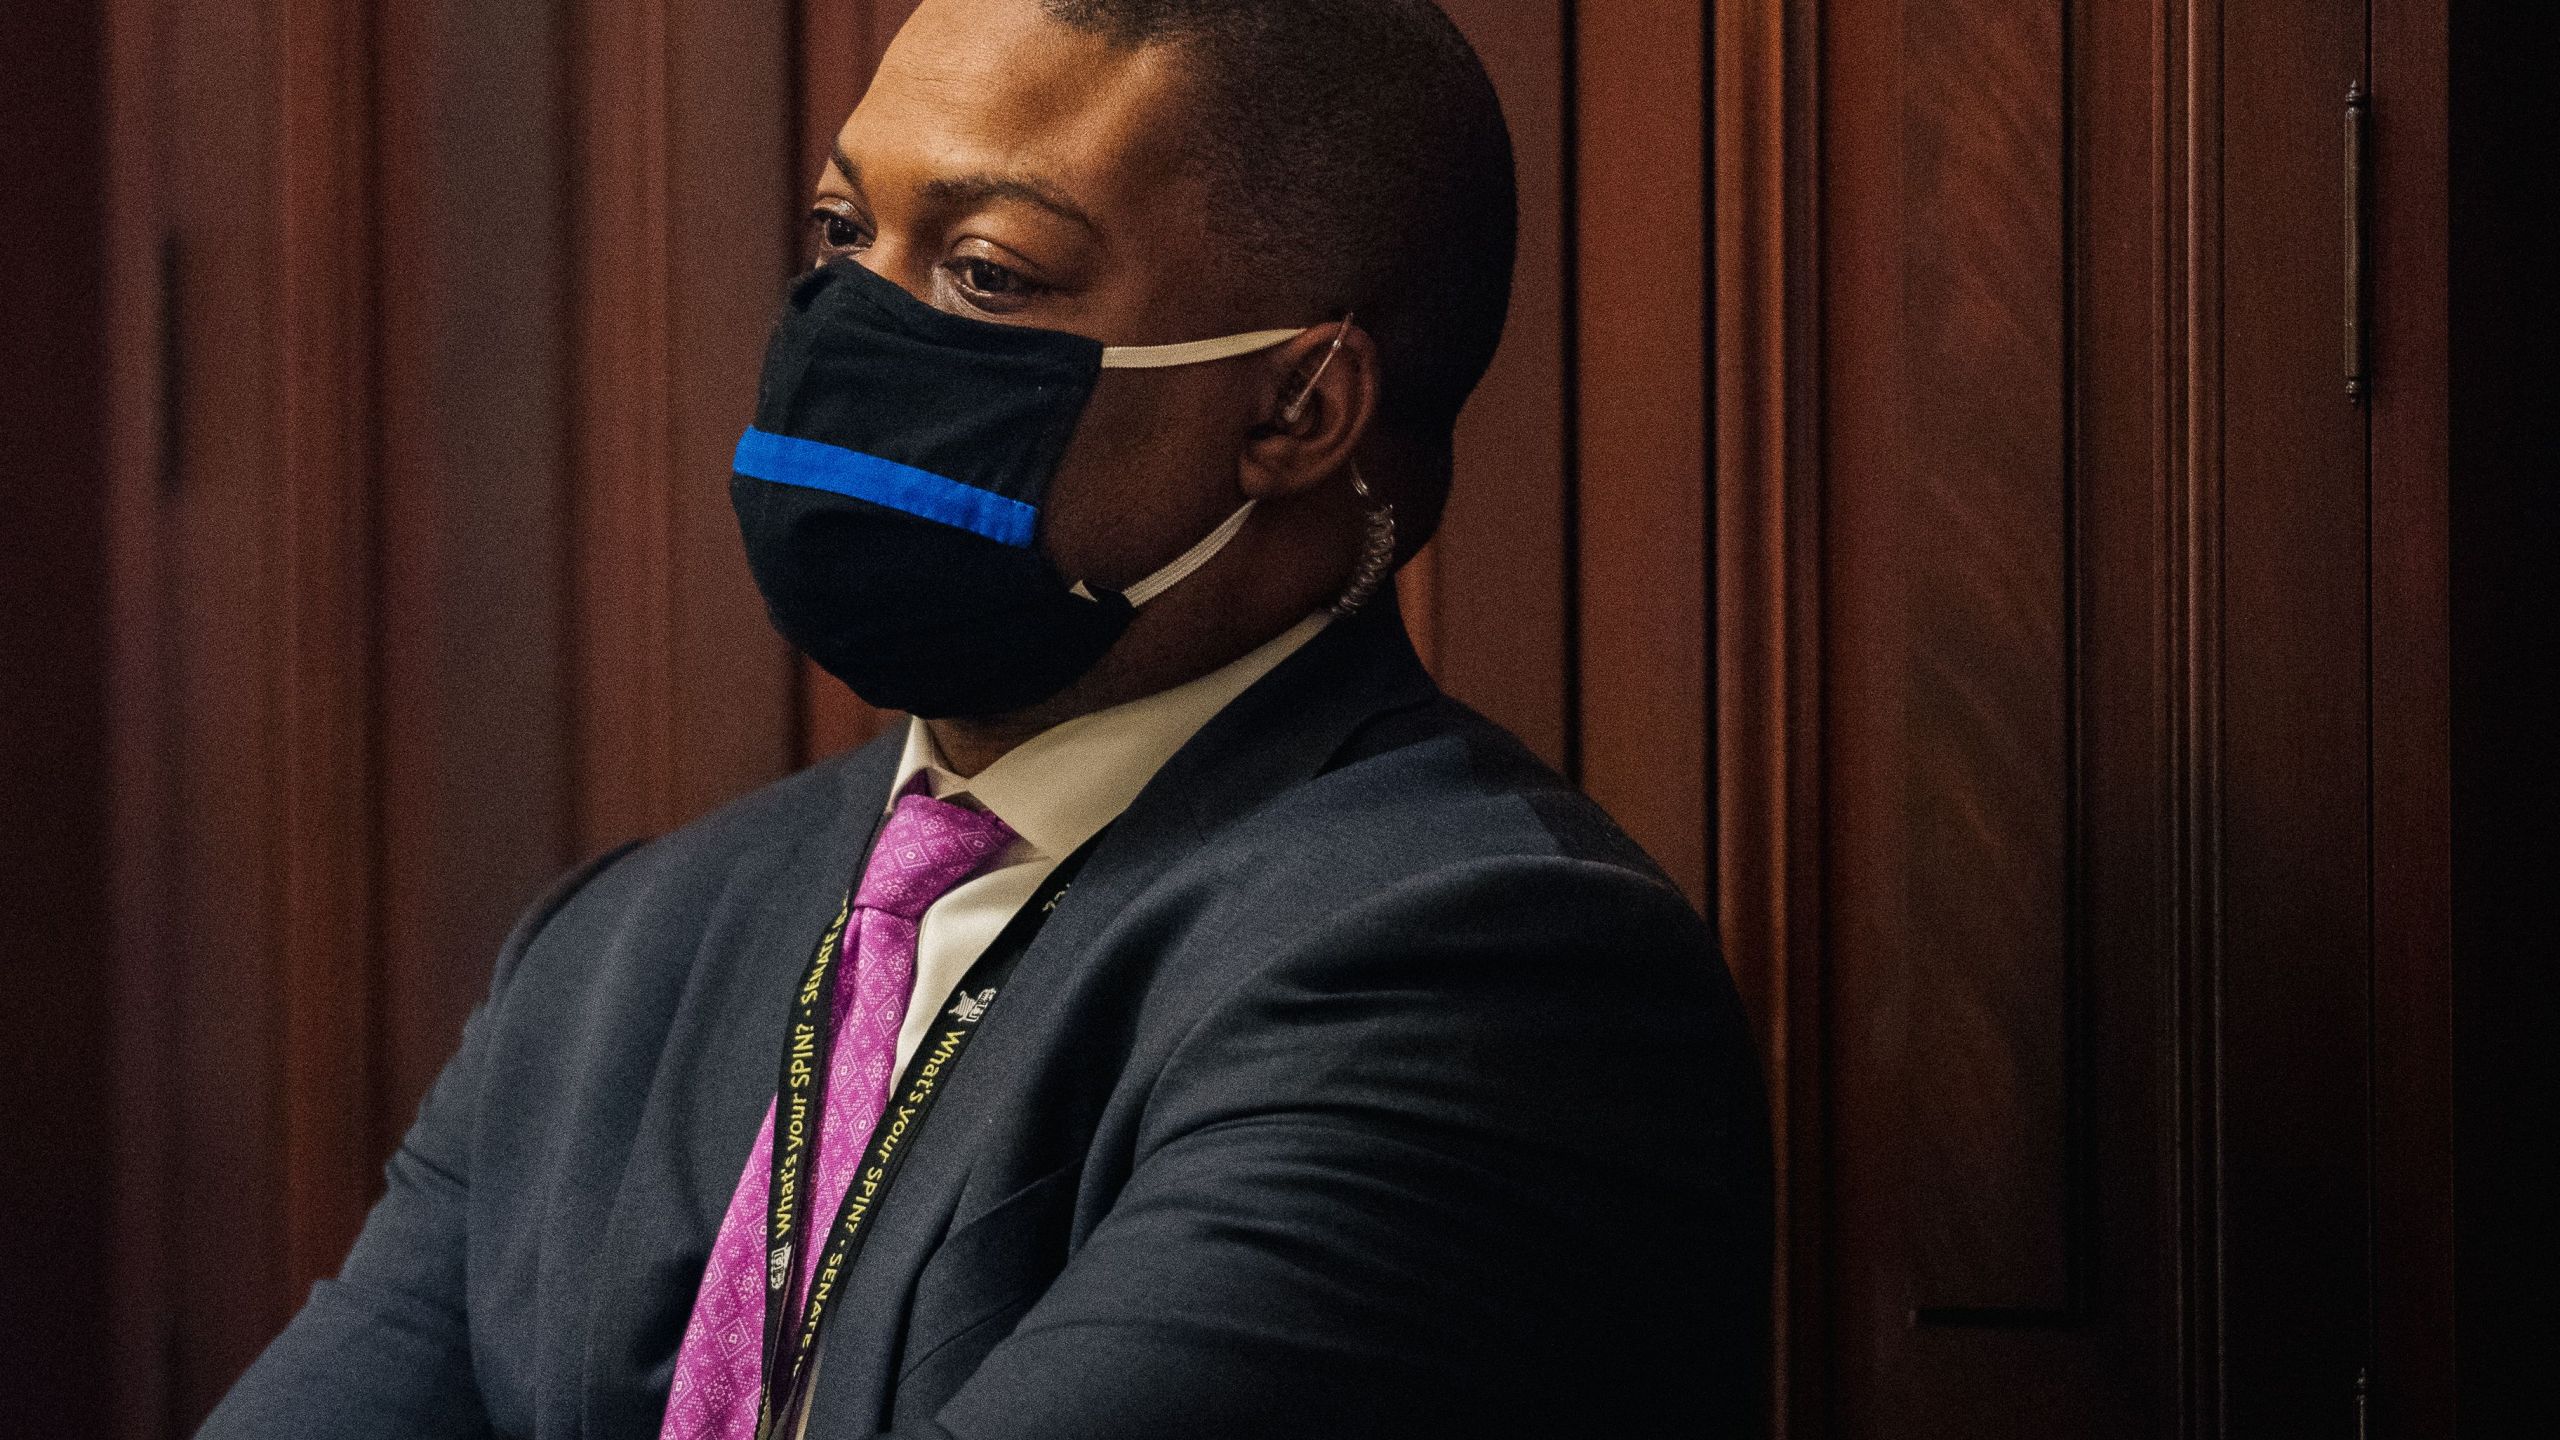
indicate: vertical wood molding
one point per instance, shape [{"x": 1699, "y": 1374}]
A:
[
  {"x": 2192, "y": 139},
  {"x": 2415, "y": 1238},
  {"x": 2293, "y": 994},
  {"x": 139, "y": 298},
  {"x": 1768, "y": 487},
  {"x": 329, "y": 841},
  {"x": 621, "y": 465},
  {"x": 1642, "y": 400},
  {"x": 1492, "y": 601},
  {"x": 687, "y": 698}
]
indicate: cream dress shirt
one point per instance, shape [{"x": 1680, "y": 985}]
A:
[{"x": 1057, "y": 790}]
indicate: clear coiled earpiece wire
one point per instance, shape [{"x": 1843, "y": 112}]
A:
[{"x": 1377, "y": 559}]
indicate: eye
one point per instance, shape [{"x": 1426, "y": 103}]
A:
[
  {"x": 835, "y": 232},
  {"x": 984, "y": 279}
]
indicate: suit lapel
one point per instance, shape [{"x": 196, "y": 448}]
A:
[{"x": 1279, "y": 733}]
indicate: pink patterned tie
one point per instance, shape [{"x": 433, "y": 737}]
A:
[{"x": 927, "y": 847}]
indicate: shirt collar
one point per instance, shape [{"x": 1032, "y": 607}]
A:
[{"x": 1059, "y": 788}]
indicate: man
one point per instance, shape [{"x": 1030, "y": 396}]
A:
[{"x": 1223, "y": 1033}]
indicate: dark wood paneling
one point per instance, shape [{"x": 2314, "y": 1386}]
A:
[
  {"x": 1860, "y": 275},
  {"x": 2414, "y": 1287},
  {"x": 324, "y": 596},
  {"x": 1984, "y": 519},
  {"x": 2292, "y": 994},
  {"x": 1641, "y": 403},
  {"x": 141, "y": 650},
  {"x": 686, "y": 697},
  {"x": 423, "y": 586},
  {"x": 217, "y": 531},
  {"x": 473, "y": 355},
  {"x": 1768, "y": 636},
  {"x": 56, "y": 1136},
  {"x": 1493, "y": 599},
  {"x": 2123, "y": 176},
  {"x": 2056, "y": 650}
]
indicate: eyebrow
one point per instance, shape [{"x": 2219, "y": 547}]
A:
[{"x": 967, "y": 190}]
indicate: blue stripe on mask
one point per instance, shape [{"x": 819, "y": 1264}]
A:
[{"x": 811, "y": 465}]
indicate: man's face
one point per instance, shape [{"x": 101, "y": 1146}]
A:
[{"x": 1010, "y": 168}]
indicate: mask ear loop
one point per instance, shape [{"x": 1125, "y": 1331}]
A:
[
  {"x": 1195, "y": 352},
  {"x": 1191, "y": 559},
  {"x": 1377, "y": 555}
]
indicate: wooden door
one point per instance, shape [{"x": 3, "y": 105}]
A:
[{"x": 2046, "y": 703}]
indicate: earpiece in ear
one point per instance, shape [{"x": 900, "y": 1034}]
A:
[{"x": 1296, "y": 410}]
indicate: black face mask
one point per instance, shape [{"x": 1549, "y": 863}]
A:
[{"x": 890, "y": 492}]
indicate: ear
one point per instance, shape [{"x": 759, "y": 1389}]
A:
[{"x": 1321, "y": 401}]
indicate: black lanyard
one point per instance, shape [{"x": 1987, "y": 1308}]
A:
[{"x": 799, "y": 1098}]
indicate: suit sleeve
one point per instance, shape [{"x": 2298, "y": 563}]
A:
[
  {"x": 383, "y": 1350},
  {"x": 1485, "y": 1156}
]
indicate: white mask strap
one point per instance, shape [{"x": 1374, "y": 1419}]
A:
[
  {"x": 1196, "y": 352},
  {"x": 1189, "y": 561}
]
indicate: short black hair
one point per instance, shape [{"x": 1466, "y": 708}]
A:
[{"x": 1357, "y": 153}]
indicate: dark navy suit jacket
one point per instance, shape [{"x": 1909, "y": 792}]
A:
[{"x": 1368, "y": 1082}]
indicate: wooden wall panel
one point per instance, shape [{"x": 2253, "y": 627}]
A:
[
  {"x": 142, "y": 764},
  {"x": 2077, "y": 524},
  {"x": 1640, "y": 408},
  {"x": 1769, "y": 637},
  {"x": 474, "y": 534},
  {"x": 1992, "y": 1055},
  {"x": 2415, "y": 1319},
  {"x": 56, "y": 1120},
  {"x": 425, "y": 578},
  {"x": 1983, "y": 527},
  {"x": 686, "y": 184},
  {"x": 1494, "y": 600},
  {"x": 219, "y": 505},
  {"x": 321, "y": 514},
  {"x": 2293, "y": 1028}
]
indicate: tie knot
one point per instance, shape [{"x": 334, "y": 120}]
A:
[{"x": 928, "y": 847}]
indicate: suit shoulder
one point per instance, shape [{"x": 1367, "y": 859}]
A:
[
  {"x": 1440, "y": 786},
  {"x": 656, "y": 881},
  {"x": 792, "y": 808},
  {"x": 1442, "y": 831}
]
